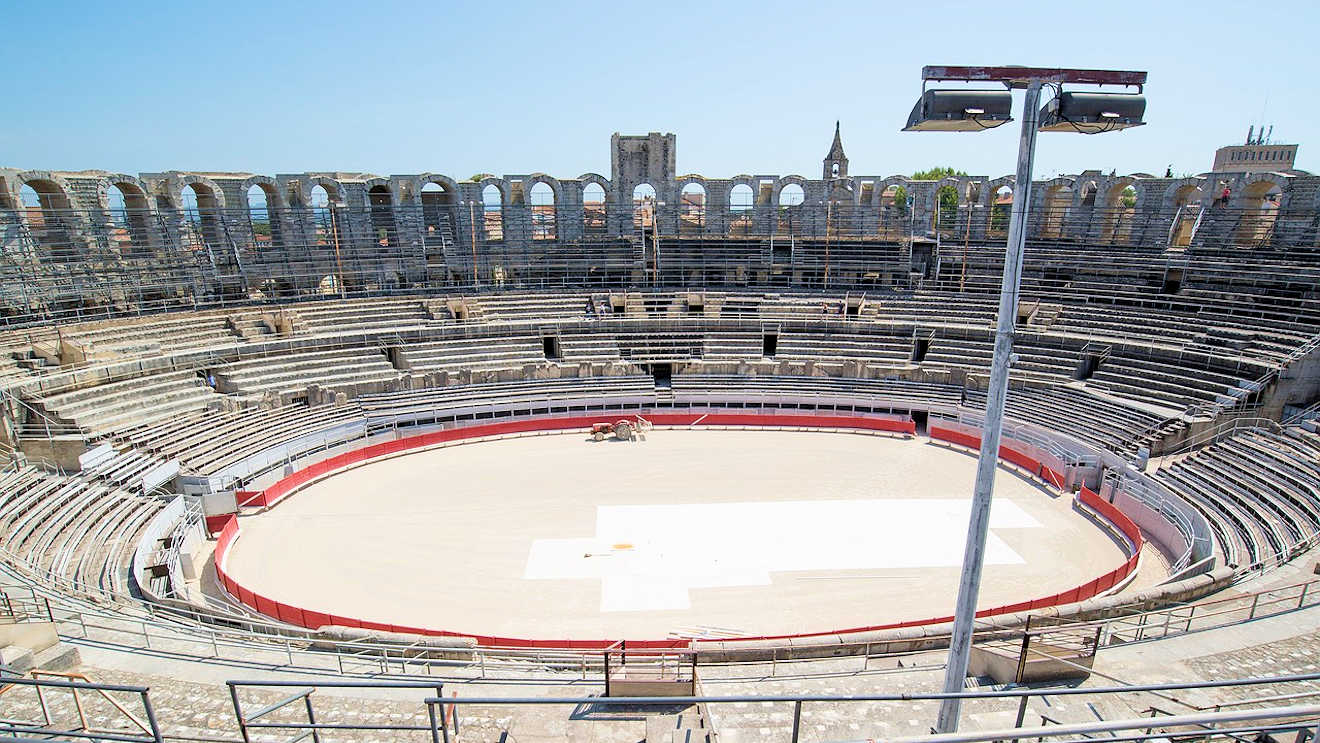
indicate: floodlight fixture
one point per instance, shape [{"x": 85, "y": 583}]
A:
[
  {"x": 974, "y": 110},
  {"x": 1093, "y": 113},
  {"x": 960, "y": 111}
]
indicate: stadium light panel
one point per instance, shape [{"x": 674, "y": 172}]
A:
[
  {"x": 1093, "y": 113},
  {"x": 960, "y": 111}
]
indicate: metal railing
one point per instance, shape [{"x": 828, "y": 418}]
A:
[
  {"x": 442, "y": 721},
  {"x": 254, "y": 641},
  {"x": 141, "y": 729}
]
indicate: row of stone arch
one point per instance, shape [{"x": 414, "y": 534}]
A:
[
  {"x": 184, "y": 191},
  {"x": 129, "y": 200}
]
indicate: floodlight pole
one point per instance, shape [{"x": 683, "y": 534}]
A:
[{"x": 969, "y": 585}]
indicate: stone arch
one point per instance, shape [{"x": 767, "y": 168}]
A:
[
  {"x": 741, "y": 200},
  {"x": 334, "y": 190},
  {"x": 274, "y": 198},
  {"x": 844, "y": 192},
  {"x": 449, "y": 185},
  {"x": 129, "y": 225},
  {"x": 1117, "y": 218},
  {"x": 52, "y": 222},
  {"x": 437, "y": 196},
  {"x": 891, "y": 204},
  {"x": 644, "y": 199},
  {"x": 52, "y": 190},
  {"x": 203, "y": 187},
  {"x": 266, "y": 227},
  {"x": 790, "y": 217},
  {"x": 380, "y": 203},
  {"x": 1255, "y": 184},
  {"x": 933, "y": 201},
  {"x": 1085, "y": 193},
  {"x": 693, "y": 200},
  {"x": 542, "y": 216},
  {"x": 990, "y": 188},
  {"x": 492, "y": 210},
  {"x": 128, "y": 186},
  {"x": 595, "y": 211},
  {"x": 203, "y": 223},
  {"x": 1054, "y": 200},
  {"x": 997, "y": 214},
  {"x": 1259, "y": 211},
  {"x": 555, "y": 187},
  {"x": 784, "y": 182},
  {"x": 1183, "y": 201},
  {"x": 1115, "y": 187},
  {"x": 499, "y": 183},
  {"x": 379, "y": 186},
  {"x": 599, "y": 180},
  {"x": 1178, "y": 192},
  {"x": 742, "y": 179}
]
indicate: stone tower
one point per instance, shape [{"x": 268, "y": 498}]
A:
[
  {"x": 642, "y": 159},
  {"x": 836, "y": 163}
]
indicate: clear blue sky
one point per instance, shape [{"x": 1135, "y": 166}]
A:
[{"x": 509, "y": 87}]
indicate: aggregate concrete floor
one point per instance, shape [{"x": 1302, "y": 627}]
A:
[{"x": 693, "y": 532}]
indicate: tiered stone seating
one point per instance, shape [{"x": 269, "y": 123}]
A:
[
  {"x": 1164, "y": 384},
  {"x": 511, "y": 351},
  {"x": 208, "y": 443},
  {"x": 529, "y": 394},
  {"x": 678, "y": 344},
  {"x": 130, "y": 402},
  {"x": 73, "y": 532},
  {"x": 837, "y": 347},
  {"x": 712, "y": 388},
  {"x": 531, "y": 308},
  {"x": 290, "y": 374},
  {"x": 1083, "y": 415},
  {"x": 966, "y": 353},
  {"x": 363, "y": 315},
  {"x": 931, "y": 309},
  {"x": 593, "y": 347},
  {"x": 732, "y": 346},
  {"x": 1261, "y": 488},
  {"x": 169, "y": 332}
]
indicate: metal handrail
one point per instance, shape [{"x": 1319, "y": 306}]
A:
[{"x": 378, "y": 657}]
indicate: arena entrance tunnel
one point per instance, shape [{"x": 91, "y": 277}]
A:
[{"x": 1020, "y": 458}]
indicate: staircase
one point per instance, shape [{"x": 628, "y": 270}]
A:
[{"x": 687, "y": 726}]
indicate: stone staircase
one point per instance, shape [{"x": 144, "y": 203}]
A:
[{"x": 687, "y": 726}]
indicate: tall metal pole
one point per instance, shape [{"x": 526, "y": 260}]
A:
[{"x": 969, "y": 586}]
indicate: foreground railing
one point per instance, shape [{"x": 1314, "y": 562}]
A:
[
  {"x": 140, "y": 728},
  {"x": 249, "y": 641},
  {"x": 445, "y": 714}
]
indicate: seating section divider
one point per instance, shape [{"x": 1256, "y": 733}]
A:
[{"x": 309, "y": 619}]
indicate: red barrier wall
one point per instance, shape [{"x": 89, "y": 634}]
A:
[
  {"x": 288, "y": 485},
  {"x": 302, "y": 617},
  {"x": 1006, "y": 451}
]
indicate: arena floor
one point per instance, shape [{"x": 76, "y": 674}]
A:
[{"x": 692, "y": 532}]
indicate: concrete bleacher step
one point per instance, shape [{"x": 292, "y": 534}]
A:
[
  {"x": 58, "y": 657},
  {"x": 681, "y": 727}
]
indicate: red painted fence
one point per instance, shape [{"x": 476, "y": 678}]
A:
[{"x": 301, "y": 617}]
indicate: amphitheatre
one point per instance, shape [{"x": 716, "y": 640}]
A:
[{"x": 327, "y": 437}]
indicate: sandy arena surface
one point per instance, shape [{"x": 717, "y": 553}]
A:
[{"x": 692, "y": 532}]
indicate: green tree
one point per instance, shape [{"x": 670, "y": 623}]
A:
[
  {"x": 936, "y": 173},
  {"x": 947, "y": 195},
  {"x": 1128, "y": 198},
  {"x": 900, "y": 199}
]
